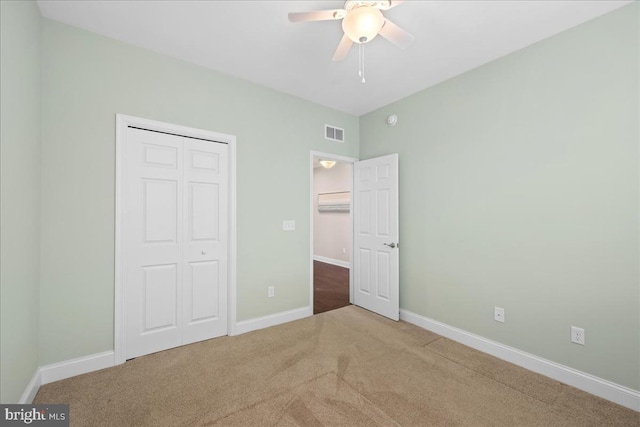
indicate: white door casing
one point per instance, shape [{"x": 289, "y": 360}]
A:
[
  {"x": 175, "y": 237},
  {"x": 376, "y": 234}
]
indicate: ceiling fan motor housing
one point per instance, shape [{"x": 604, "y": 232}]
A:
[{"x": 350, "y": 4}]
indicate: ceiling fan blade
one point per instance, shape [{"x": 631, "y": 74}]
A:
[
  {"x": 343, "y": 49},
  {"x": 396, "y": 35},
  {"x": 391, "y": 4},
  {"x": 320, "y": 15}
]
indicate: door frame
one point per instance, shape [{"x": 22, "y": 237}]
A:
[
  {"x": 122, "y": 123},
  {"x": 341, "y": 159}
]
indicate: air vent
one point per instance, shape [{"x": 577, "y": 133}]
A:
[{"x": 333, "y": 133}]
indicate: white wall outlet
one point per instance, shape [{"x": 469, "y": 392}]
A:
[
  {"x": 498, "y": 314},
  {"x": 344, "y": 250},
  {"x": 288, "y": 225},
  {"x": 577, "y": 335},
  {"x": 271, "y": 291}
]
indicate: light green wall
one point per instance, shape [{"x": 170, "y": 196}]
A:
[
  {"x": 519, "y": 189},
  {"x": 87, "y": 79},
  {"x": 19, "y": 195}
]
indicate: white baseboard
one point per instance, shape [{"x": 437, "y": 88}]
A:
[
  {"x": 82, "y": 365},
  {"x": 271, "y": 320},
  {"x": 32, "y": 389},
  {"x": 339, "y": 263},
  {"x": 591, "y": 384},
  {"x": 73, "y": 367}
]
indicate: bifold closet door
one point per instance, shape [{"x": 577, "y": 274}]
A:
[{"x": 175, "y": 241}]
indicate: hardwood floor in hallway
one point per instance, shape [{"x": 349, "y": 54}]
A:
[{"x": 330, "y": 287}]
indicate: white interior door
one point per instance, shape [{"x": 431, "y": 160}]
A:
[
  {"x": 206, "y": 236},
  {"x": 175, "y": 241},
  {"x": 376, "y": 232}
]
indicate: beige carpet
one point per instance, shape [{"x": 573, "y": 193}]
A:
[{"x": 346, "y": 367}]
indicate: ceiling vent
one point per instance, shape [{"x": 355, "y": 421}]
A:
[{"x": 333, "y": 133}]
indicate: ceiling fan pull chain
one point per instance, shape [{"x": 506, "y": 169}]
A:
[{"x": 361, "y": 62}]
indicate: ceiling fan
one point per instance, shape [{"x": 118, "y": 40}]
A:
[{"x": 362, "y": 21}]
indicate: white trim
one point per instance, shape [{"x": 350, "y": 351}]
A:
[
  {"x": 339, "y": 263},
  {"x": 591, "y": 384},
  {"x": 32, "y": 389},
  {"x": 118, "y": 300},
  {"x": 232, "y": 277},
  {"x": 122, "y": 122},
  {"x": 342, "y": 159},
  {"x": 78, "y": 366},
  {"x": 272, "y": 320}
]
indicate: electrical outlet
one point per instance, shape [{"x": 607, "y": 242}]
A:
[
  {"x": 271, "y": 291},
  {"x": 498, "y": 314},
  {"x": 344, "y": 250},
  {"x": 577, "y": 335},
  {"x": 289, "y": 225}
]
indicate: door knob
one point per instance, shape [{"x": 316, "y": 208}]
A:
[
  {"x": 204, "y": 252},
  {"x": 391, "y": 245}
]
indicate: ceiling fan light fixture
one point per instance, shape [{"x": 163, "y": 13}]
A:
[
  {"x": 327, "y": 164},
  {"x": 362, "y": 23}
]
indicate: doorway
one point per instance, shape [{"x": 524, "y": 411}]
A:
[
  {"x": 331, "y": 231},
  {"x": 374, "y": 281}
]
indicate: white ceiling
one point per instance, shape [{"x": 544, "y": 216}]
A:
[{"x": 255, "y": 41}]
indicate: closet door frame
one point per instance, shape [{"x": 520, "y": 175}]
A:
[{"x": 122, "y": 123}]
